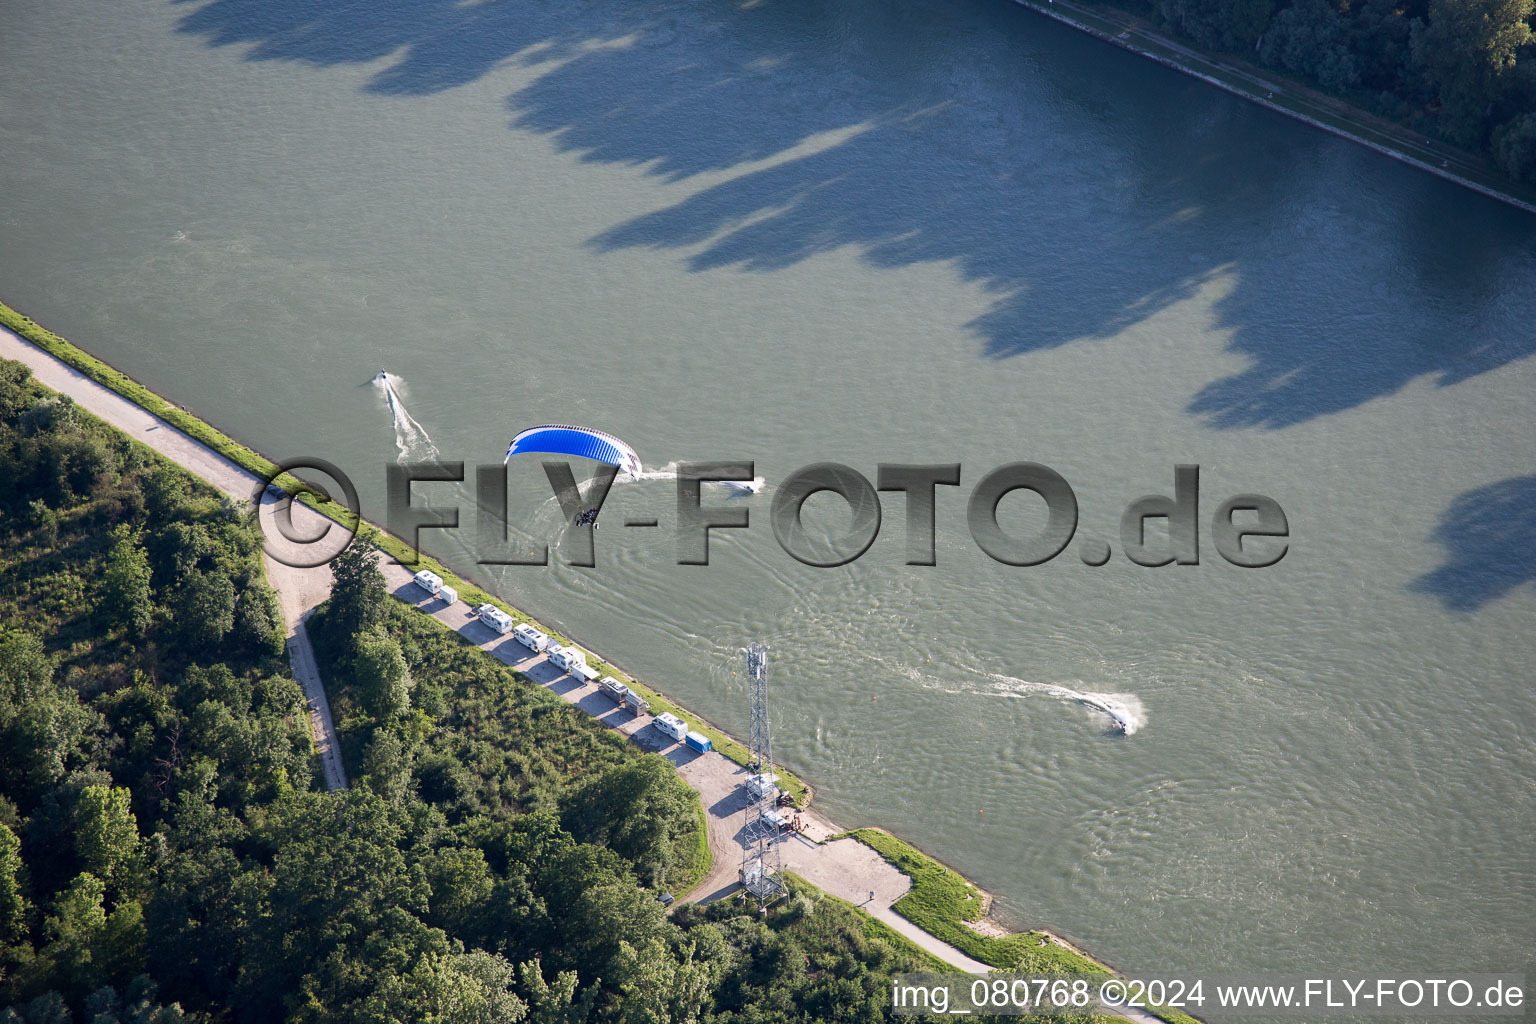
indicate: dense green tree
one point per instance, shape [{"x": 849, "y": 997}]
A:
[
  {"x": 52, "y": 414},
  {"x": 594, "y": 906},
  {"x": 1208, "y": 22},
  {"x": 339, "y": 875},
  {"x": 15, "y": 910},
  {"x": 13, "y": 901},
  {"x": 43, "y": 728},
  {"x": 106, "y": 834},
  {"x": 15, "y": 393},
  {"x": 125, "y": 591},
  {"x": 204, "y": 606},
  {"x": 1514, "y": 146},
  {"x": 380, "y": 670},
  {"x": 557, "y": 1002},
  {"x": 452, "y": 988},
  {"x": 165, "y": 491},
  {"x": 1309, "y": 38},
  {"x": 176, "y": 549},
  {"x": 387, "y": 766},
  {"x": 358, "y": 593},
  {"x": 137, "y": 1005},
  {"x": 75, "y": 931},
  {"x": 48, "y": 1008},
  {"x": 1249, "y": 20},
  {"x": 660, "y": 985},
  {"x": 1467, "y": 49},
  {"x": 258, "y": 626},
  {"x": 640, "y": 810},
  {"x": 462, "y": 889}
]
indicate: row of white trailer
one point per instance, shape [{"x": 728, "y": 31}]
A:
[
  {"x": 570, "y": 659},
  {"x": 433, "y": 584}
]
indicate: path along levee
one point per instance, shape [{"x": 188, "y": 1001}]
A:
[{"x": 845, "y": 868}]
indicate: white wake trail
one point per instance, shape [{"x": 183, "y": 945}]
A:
[
  {"x": 669, "y": 472},
  {"x": 1123, "y": 708},
  {"x": 411, "y": 438}
]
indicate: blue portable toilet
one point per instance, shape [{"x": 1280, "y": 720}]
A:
[{"x": 698, "y": 741}]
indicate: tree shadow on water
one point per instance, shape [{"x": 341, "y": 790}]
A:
[
  {"x": 1082, "y": 189},
  {"x": 1488, "y": 536}
]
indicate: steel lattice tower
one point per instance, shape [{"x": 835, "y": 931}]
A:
[{"x": 761, "y": 866}]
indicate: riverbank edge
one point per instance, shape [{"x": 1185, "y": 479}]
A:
[
  {"x": 1234, "y": 75},
  {"x": 200, "y": 486},
  {"x": 248, "y": 458},
  {"x": 921, "y": 868}
]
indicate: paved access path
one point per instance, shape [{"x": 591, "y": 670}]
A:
[{"x": 845, "y": 868}]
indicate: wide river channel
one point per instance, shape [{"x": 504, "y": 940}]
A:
[{"x": 859, "y": 232}]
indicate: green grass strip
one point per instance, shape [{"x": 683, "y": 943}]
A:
[{"x": 941, "y": 901}]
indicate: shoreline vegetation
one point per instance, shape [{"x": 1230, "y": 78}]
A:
[
  {"x": 165, "y": 857},
  {"x": 1219, "y": 44},
  {"x": 948, "y": 906},
  {"x": 938, "y": 900},
  {"x": 252, "y": 460}
]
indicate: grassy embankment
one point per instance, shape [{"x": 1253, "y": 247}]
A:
[
  {"x": 253, "y": 461},
  {"x": 941, "y": 901}
]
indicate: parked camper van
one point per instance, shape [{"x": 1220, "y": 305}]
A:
[
  {"x": 429, "y": 581},
  {"x": 494, "y": 617},
  {"x": 574, "y": 661},
  {"x": 613, "y": 688},
  {"x": 637, "y": 704},
  {"x": 672, "y": 725},
  {"x": 530, "y": 637},
  {"x": 447, "y": 594}
]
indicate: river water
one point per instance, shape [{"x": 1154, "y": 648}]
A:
[{"x": 866, "y": 233}]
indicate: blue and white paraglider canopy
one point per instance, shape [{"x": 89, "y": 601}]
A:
[{"x": 557, "y": 439}]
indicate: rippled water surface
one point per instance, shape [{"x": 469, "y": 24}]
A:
[{"x": 859, "y": 232}]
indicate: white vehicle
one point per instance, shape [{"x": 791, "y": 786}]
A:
[
  {"x": 574, "y": 661},
  {"x": 429, "y": 581},
  {"x": 613, "y": 688},
  {"x": 494, "y": 617},
  {"x": 530, "y": 637},
  {"x": 673, "y": 726},
  {"x": 448, "y": 595},
  {"x": 759, "y": 786}
]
